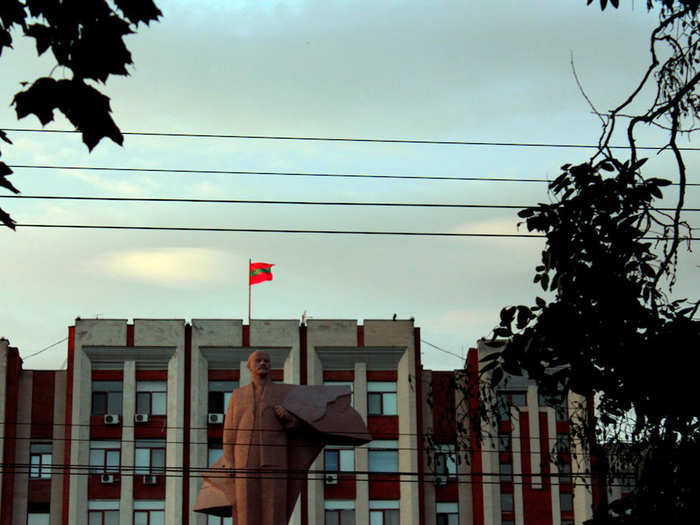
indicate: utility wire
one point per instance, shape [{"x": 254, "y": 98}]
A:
[
  {"x": 287, "y": 173},
  {"x": 322, "y": 232},
  {"x": 350, "y": 139},
  {"x": 45, "y": 349},
  {"x": 442, "y": 349},
  {"x": 284, "y": 203}
]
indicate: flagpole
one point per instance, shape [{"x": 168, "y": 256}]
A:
[{"x": 250, "y": 261}]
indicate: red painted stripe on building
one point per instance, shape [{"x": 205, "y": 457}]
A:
[
  {"x": 360, "y": 335},
  {"x": 68, "y": 420},
  {"x": 129, "y": 335},
  {"x": 14, "y": 366},
  {"x": 477, "y": 464},
  {"x": 43, "y": 391},
  {"x": 339, "y": 375},
  {"x": 187, "y": 429},
  {"x": 381, "y": 375},
  {"x": 419, "y": 423},
  {"x": 246, "y": 335}
]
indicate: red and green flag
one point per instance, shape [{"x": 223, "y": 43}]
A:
[{"x": 259, "y": 272}]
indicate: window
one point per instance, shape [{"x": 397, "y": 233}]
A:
[
  {"x": 151, "y": 398},
  {"x": 339, "y": 460},
  {"x": 103, "y": 512},
  {"x": 217, "y": 520},
  {"x": 445, "y": 460},
  {"x": 219, "y": 394},
  {"x": 339, "y": 512},
  {"x": 384, "y": 512},
  {"x": 383, "y": 456},
  {"x": 216, "y": 451},
  {"x": 149, "y": 512},
  {"x": 149, "y": 456},
  {"x": 106, "y": 397},
  {"x": 504, "y": 442},
  {"x": 381, "y": 398},
  {"x": 506, "y": 502},
  {"x": 104, "y": 456},
  {"x": 349, "y": 384},
  {"x": 506, "y": 471},
  {"x": 566, "y": 501},
  {"x": 558, "y": 404},
  {"x": 40, "y": 459},
  {"x": 505, "y": 400},
  {"x": 447, "y": 514},
  {"x": 38, "y": 518}
]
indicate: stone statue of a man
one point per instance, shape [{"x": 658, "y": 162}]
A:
[{"x": 272, "y": 434}]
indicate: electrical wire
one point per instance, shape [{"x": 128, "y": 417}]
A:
[
  {"x": 45, "y": 349},
  {"x": 292, "y": 231},
  {"x": 351, "y": 139},
  {"x": 287, "y": 173}
]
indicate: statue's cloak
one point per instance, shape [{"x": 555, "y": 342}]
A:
[{"x": 326, "y": 419}]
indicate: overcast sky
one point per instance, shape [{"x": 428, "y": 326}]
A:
[{"x": 448, "y": 70}]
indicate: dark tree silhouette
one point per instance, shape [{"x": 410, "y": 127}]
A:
[
  {"x": 87, "y": 39},
  {"x": 611, "y": 330}
]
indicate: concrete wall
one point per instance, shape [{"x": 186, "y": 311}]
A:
[
  {"x": 24, "y": 419},
  {"x": 205, "y": 333},
  {"x": 88, "y": 332}
]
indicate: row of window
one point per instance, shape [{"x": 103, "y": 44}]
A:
[
  {"x": 382, "y": 512},
  {"x": 151, "y": 397},
  {"x": 506, "y": 400}
]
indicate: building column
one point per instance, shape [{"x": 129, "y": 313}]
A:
[
  {"x": 580, "y": 464},
  {"x": 22, "y": 445},
  {"x": 553, "y": 468},
  {"x": 408, "y": 441},
  {"x": 361, "y": 453},
  {"x": 429, "y": 485},
  {"x": 464, "y": 467},
  {"x": 534, "y": 424},
  {"x": 126, "y": 495},
  {"x": 516, "y": 414},
  {"x": 58, "y": 450}
]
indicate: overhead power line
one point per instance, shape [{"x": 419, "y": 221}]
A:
[
  {"x": 45, "y": 349},
  {"x": 294, "y": 231},
  {"x": 192, "y": 200},
  {"x": 514, "y": 144},
  {"x": 285, "y": 173}
]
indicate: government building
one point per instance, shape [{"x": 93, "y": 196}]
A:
[{"x": 123, "y": 435}]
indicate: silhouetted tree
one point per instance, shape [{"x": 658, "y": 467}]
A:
[
  {"x": 86, "y": 39},
  {"x": 611, "y": 330}
]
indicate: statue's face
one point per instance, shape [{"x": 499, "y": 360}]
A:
[{"x": 259, "y": 364}]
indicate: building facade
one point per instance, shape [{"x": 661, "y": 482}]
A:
[{"x": 123, "y": 435}]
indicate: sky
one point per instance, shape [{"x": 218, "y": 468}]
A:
[{"x": 440, "y": 71}]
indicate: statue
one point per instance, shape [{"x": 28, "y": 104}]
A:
[{"x": 272, "y": 434}]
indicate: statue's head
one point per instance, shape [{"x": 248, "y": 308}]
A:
[{"x": 259, "y": 363}]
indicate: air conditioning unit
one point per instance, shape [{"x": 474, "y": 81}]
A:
[
  {"x": 150, "y": 480},
  {"x": 111, "y": 419},
  {"x": 440, "y": 480},
  {"x": 216, "y": 419},
  {"x": 141, "y": 418},
  {"x": 331, "y": 479},
  {"x": 107, "y": 479}
]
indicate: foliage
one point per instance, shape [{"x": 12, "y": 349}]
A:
[
  {"x": 611, "y": 331},
  {"x": 87, "y": 42}
]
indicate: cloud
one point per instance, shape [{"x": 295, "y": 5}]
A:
[{"x": 174, "y": 267}]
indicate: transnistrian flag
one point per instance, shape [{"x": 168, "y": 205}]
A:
[{"x": 259, "y": 272}]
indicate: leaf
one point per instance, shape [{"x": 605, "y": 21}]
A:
[
  {"x": 100, "y": 51},
  {"x": 497, "y": 377},
  {"x": 39, "y": 99},
  {"x": 527, "y": 212},
  {"x": 607, "y": 166},
  {"x": 42, "y": 34},
  {"x": 507, "y": 315},
  {"x": 639, "y": 163},
  {"x": 540, "y": 302},
  {"x": 7, "y": 220},
  {"x": 3, "y": 136},
  {"x": 5, "y": 170},
  {"x": 491, "y": 356},
  {"x": 544, "y": 282},
  {"x": 139, "y": 10},
  {"x": 86, "y": 108},
  {"x": 6, "y": 183},
  {"x": 659, "y": 182},
  {"x": 615, "y": 3},
  {"x": 5, "y": 40},
  {"x": 502, "y": 332}
]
